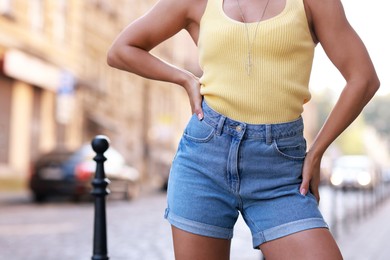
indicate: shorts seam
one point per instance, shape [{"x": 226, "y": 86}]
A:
[
  {"x": 278, "y": 151},
  {"x": 287, "y": 229},
  {"x": 198, "y": 227}
]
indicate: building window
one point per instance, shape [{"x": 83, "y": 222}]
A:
[
  {"x": 60, "y": 20},
  {"x": 36, "y": 15}
]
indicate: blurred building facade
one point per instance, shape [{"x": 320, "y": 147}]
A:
[{"x": 56, "y": 89}]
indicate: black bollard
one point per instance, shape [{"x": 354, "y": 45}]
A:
[{"x": 100, "y": 145}]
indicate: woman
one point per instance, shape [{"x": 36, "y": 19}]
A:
[{"x": 243, "y": 149}]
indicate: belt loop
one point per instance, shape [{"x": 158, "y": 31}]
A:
[
  {"x": 268, "y": 134},
  {"x": 221, "y": 122}
]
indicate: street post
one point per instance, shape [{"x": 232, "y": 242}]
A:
[{"x": 100, "y": 145}]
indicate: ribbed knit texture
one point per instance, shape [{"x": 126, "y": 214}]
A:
[{"x": 283, "y": 50}]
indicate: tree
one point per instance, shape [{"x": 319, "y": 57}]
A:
[{"x": 377, "y": 114}]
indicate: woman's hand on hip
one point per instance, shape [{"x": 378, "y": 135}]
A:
[
  {"x": 311, "y": 175},
  {"x": 192, "y": 86}
]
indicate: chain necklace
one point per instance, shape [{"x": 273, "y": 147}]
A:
[{"x": 249, "y": 60}]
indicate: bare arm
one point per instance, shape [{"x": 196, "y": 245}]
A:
[
  {"x": 130, "y": 51},
  {"x": 348, "y": 53}
]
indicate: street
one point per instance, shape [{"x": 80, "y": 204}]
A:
[
  {"x": 60, "y": 229},
  {"x": 63, "y": 230}
]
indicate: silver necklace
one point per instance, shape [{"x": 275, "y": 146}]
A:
[{"x": 249, "y": 60}]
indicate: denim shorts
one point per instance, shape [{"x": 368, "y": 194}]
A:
[{"x": 223, "y": 167}]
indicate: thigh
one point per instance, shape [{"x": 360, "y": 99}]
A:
[
  {"x": 310, "y": 244},
  {"x": 188, "y": 246}
]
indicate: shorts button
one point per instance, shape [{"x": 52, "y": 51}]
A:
[{"x": 238, "y": 128}]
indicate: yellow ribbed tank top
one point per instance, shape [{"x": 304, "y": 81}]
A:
[{"x": 283, "y": 51}]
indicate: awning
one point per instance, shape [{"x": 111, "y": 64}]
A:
[{"x": 30, "y": 69}]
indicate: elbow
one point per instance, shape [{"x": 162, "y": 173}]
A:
[
  {"x": 373, "y": 85},
  {"x": 365, "y": 85},
  {"x": 369, "y": 87},
  {"x": 377, "y": 84},
  {"x": 116, "y": 56},
  {"x": 112, "y": 57},
  {"x": 122, "y": 57}
]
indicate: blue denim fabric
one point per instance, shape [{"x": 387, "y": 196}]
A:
[{"x": 223, "y": 167}]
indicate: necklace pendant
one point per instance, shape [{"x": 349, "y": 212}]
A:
[{"x": 249, "y": 64}]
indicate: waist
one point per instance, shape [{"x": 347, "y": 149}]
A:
[
  {"x": 255, "y": 108},
  {"x": 224, "y": 124}
]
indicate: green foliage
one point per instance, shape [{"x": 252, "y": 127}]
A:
[
  {"x": 377, "y": 114},
  {"x": 351, "y": 140},
  {"x": 324, "y": 105}
]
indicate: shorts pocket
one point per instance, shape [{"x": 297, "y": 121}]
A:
[
  {"x": 293, "y": 148},
  {"x": 198, "y": 130}
]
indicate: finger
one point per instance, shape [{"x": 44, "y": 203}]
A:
[
  {"x": 304, "y": 185},
  {"x": 314, "y": 190},
  {"x": 198, "y": 109},
  {"x": 316, "y": 195},
  {"x": 200, "y": 115},
  {"x": 199, "y": 112}
]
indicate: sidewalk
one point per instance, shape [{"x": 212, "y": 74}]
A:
[
  {"x": 370, "y": 238},
  {"x": 367, "y": 239}
]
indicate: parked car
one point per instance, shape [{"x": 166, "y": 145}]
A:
[
  {"x": 326, "y": 170},
  {"x": 386, "y": 176},
  {"x": 355, "y": 171},
  {"x": 69, "y": 173}
]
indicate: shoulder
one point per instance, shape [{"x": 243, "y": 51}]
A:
[
  {"x": 339, "y": 40},
  {"x": 320, "y": 10},
  {"x": 326, "y": 16},
  {"x": 196, "y": 9},
  {"x": 189, "y": 6},
  {"x": 191, "y": 10}
]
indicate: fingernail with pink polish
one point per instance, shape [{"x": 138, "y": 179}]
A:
[{"x": 303, "y": 192}]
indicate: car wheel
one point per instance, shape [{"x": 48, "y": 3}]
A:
[
  {"x": 39, "y": 197},
  {"x": 164, "y": 186}
]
